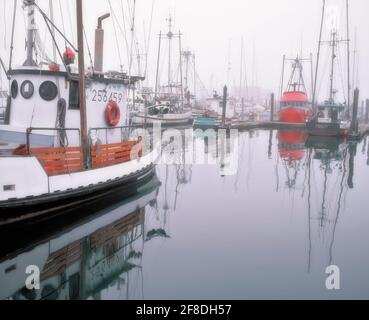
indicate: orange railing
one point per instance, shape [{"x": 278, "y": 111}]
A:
[
  {"x": 111, "y": 154},
  {"x": 59, "y": 160}
]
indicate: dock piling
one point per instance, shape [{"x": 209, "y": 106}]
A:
[
  {"x": 272, "y": 107},
  {"x": 367, "y": 111},
  {"x": 354, "y": 130}
]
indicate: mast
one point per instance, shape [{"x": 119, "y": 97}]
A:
[
  {"x": 170, "y": 36},
  {"x": 318, "y": 57},
  {"x": 180, "y": 67},
  {"x": 30, "y": 33},
  {"x": 82, "y": 85},
  {"x": 157, "y": 69},
  {"x": 333, "y": 44},
  {"x": 348, "y": 59}
]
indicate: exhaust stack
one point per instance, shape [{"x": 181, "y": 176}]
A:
[{"x": 99, "y": 44}]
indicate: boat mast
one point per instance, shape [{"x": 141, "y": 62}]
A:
[
  {"x": 157, "y": 69},
  {"x": 82, "y": 85},
  {"x": 318, "y": 57},
  {"x": 30, "y": 33},
  {"x": 348, "y": 60},
  {"x": 333, "y": 45},
  {"x": 170, "y": 36}
]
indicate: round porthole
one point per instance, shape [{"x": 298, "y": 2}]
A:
[
  {"x": 48, "y": 90},
  {"x": 14, "y": 89},
  {"x": 27, "y": 89}
]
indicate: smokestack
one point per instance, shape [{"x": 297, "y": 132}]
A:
[{"x": 99, "y": 44}]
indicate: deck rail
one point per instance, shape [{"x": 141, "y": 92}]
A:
[{"x": 66, "y": 159}]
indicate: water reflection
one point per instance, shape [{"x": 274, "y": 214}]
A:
[
  {"x": 97, "y": 257},
  {"x": 295, "y": 206}
]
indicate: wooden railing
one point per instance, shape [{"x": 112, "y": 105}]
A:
[
  {"x": 59, "y": 160},
  {"x": 111, "y": 154}
]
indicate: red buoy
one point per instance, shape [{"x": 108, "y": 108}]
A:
[{"x": 69, "y": 56}]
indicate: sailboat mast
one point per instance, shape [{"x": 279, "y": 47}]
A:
[
  {"x": 82, "y": 84},
  {"x": 157, "y": 69},
  {"x": 333, "y": 44},
  {"x": 170, "y": 35},
  {"x": 348, "y": 59},
  {"x": 318, "y": 57},
  {"x": 181, "y": 68}
]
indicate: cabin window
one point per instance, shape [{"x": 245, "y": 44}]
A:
[
  {"x": 48, "y": 90},
  {"x": 27, "y": 89},
  {"x": 74, "y": 95},
  {"x": 14, "y": 89}
]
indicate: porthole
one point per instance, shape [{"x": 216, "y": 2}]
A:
[
  {"x": 48, "y": 90},
  {"x": 14, "y": 89},
  {"x": 27, "y": 89}
]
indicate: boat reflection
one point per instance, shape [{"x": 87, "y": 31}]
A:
[
  {"x": 95, "y": 258},
  {"x": 291, "y": 149},
  {"x": 328, "y": 166}
]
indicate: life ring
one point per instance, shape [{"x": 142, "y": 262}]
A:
[{"x": 112, "y": 113}]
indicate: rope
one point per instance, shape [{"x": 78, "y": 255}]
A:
[{"x": 116, "y": 35}]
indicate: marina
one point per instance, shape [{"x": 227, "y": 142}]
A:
[{"x": 141, "y": 158}]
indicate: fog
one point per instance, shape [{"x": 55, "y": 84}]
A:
[{"x": 213, "y": 29}]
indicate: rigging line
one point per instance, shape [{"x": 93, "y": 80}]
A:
[
  {"x": 341, "y": 74},
  {"x": 12, "y": 37},
  {"x": 318, "y": 56},
  {"x": 70, "y": 21},
  {"x": 338, "y": 208},
  {"x": 88, "y": 49},
  {"x": 116, "y": 36},
  {"x": 5, "y": 30},
  {"x": 123, "y": 30},
  {"x": 62, "y": 18},
  {"x": 149, "y": 35},
  {"x": 132, "y": 37},
  {"x": 54, "y": 26}
]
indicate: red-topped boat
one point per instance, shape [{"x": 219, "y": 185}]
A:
[{"x": 295, "y": 106}]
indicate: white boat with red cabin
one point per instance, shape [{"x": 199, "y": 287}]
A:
[{"x": 66, "y": 137}]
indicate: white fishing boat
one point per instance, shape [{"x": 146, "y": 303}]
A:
[
  {"x": 169, "y": 105},
  {"x": 66, "y": 137}
]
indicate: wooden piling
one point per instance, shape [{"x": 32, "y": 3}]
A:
[
  {"x": 272, "y": 107},
  {"x": 367, "y": 111},
  {"x": 354, "y": 122}
]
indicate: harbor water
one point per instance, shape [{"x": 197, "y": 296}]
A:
[{"x": 293, "y": 208}]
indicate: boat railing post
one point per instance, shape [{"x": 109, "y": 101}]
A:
[{"x": 272, "y": 107}]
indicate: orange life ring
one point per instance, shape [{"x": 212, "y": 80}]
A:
[{"x": 112, "y": 114}]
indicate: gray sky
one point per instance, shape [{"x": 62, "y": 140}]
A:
[{"x": 213, "y": 29}]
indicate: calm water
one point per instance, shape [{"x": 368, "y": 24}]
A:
[{"x": 293, "y": 208}]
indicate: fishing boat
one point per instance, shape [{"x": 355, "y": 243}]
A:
[
  {"x": 294, "y": 105},
  {"x": 169, "y": 107},
  {"x": 67, "y": 137},
  {"x": 328, "y": 119}
]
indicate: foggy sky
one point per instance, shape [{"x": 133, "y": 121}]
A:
[{"x": 212, "y": 29}]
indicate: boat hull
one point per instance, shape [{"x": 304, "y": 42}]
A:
[
  {"x": 293, "y": 115},
  {"x": 165, "y": 120},
  {"x": 20, "y": 211},
  {"x": 325, "y": 130}
]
